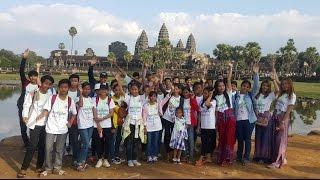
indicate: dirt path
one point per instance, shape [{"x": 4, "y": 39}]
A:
[{"x": 303, "y": 162}]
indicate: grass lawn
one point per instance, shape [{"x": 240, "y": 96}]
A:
[{"x": 311, "y": 90}]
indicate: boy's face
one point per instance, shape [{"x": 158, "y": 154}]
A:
[
  {"x": 74, "y": 82},
  {"x": 198, "y": 89},
  {"x": 63, "y": 89},
  {"x": 33, "y": 79},
  {"x": 103, "y": 92},
  {"x": 234, "y": 87},
  {"x": 103, "y": 79},
  {"x": 46, "y": 85},
  {"x": 134, "y": 90},
  {"x": 116, "y": 90},
  {"x": 86, "y": 90},
  {"x": 153, "y": 98}
]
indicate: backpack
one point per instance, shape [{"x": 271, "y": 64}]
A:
[
  {"x": 98, "y": 99},
  {"x": 54, "y": 97}
]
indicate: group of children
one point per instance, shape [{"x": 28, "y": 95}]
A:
[{"x": 101, "y": 117}]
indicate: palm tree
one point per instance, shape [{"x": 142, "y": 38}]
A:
[
  {"x": 127, "y": 57},
  {"x": 111, "y": 58},
  {"x": 61, "y": 46},
  {"x": 72, "y": 33}
]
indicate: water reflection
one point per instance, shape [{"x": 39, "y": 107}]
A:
[{"x": 305, "y": 117}]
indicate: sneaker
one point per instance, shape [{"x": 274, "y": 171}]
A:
[
  {"x": 155, "y": 158},
  {"x": 80, "y": 168},
  {"x": 21, "y": 174},
  {"x": 150, "y": 159},
  {"x": 130, "y": 163},
  {"x": 245, "y": 162},
  {"x": 178, "y": 161},
  {"x": 43, "y": 174},
  {"x": 75, "y": 164},
  {"x": 120, "y": 160},
  {"x": 59, "y": 172},
  {"x": 114, "y": 161},
  {"x": 273, "y": 166},
  {"x": 106, "y": 163},
  {"x": 99, "y": 164},
  {"x": 174, "y": 160},
  {"x": 136, "y": 163}
]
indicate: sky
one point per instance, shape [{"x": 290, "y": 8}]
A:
[{"x": 41, "y": 25}]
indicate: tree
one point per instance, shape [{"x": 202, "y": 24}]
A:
[
  {"x": 128, "y": 58},
  {"x": 223, "y": 54},
  {"x": 8, "y": 59},
  {"x": 288, "y": 56},
  {"x": 252, "y": 53},
  {"x": 111, "y": 58},
  {"x": 162, "y": 53},
  {"x": 146, "y": 57},
  {"x": 311, "y": 57},
  {"x": 238, "y": 55},
  {"x": 178, "y": 57}
]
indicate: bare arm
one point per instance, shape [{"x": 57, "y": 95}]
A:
[{"x": 229, "y": 87}]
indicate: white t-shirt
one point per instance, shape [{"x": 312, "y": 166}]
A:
[
  {"x": 242, "y": 113},
  {"x": 172, "y": 105},
  {"x": 73, "y": 95},
  {"x": 32, "y": 111},
  {"x": 31, "y": 88},
  {"x": 103, "y": 109},
  {"x": 199, "y": 100},
  {"x": 283, "y": 102},
  {"x": 153, "y": 119},
  {"x": 160, "y": 97},
  {"x": 58, "y": 115},
  {"x": 208, "y": 116},
  {"x": 187, "y": 111},
  {"x": 222, "y": 103},
  {"x": 263, "y": 103},
  {"x": 135, "y": 105},
  {"x": 85, "y": 113}
]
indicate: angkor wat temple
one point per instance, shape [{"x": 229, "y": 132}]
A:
[{"x": 60, "y": 60}]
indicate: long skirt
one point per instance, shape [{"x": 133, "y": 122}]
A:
[
  {"x": 280, "y": 141},
  {"x": 264, "y": 139},
  {"x": 226, "y": 126}
]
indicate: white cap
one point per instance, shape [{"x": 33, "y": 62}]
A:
[{"x": 97, "y": 86}]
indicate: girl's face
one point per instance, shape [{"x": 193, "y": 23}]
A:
[
  {"x": 285, "y": 86},
  {"x": 147, "y": 90},
  {"x": 205, "y": 94},
  {"x": 245, "y": 87},
  {"x": 186, "y": 94},
  {"x": 265, "y": 88},
  {"x": 221, "y": 87},
  {"x": 116, "y": 91},
  {"x": 134, "y": 91},
  {"x": 86, "y": 91},
  {"x": 179, "y": 113},
  {"x": 153, "y": 98},
  {"x": 103, "y": 92},
  {"x": 176, "y": 90},
  {"x": 74, "y": 82}
]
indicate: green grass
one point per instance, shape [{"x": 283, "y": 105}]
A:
[{"x": 310, "y": 90}]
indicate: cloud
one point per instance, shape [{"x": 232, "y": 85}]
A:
[{"x": 42, "y": 27}]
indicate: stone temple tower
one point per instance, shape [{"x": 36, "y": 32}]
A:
[
  {"x": 191, "y": 44},
  {"x": 163, "y": 34},
  {"x": 141, "y": 43},
  {"x": 180, "y": 44}
]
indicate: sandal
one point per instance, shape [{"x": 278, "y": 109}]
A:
[
  {"x": 59, "y": 172},
  {"x": 43, "y": 174},
  {"x": 200, "y": 162},
  {"x": 21, "y": 174}
]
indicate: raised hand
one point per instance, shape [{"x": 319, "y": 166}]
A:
[
  {"x": 74, "y": 70},
  {"x": 38, "y": 65},
  {"x": 255, "y": 68},
  {"x": 93, "y": 61},
  {"x": 230, "y": 64},
  {"x": 25, "y": 55},
  {"x": 80, "y": 89}
]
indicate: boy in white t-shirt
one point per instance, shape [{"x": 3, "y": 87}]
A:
[
  {"x": 32, "y": 108},
  {"x": 58, "y": 109}
]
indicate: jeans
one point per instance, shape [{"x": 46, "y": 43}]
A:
[
  {"x": 23, "y": 129},
  {"x": 168, "y": 127},
  {"x": 37, "y": 140},
  {"x": 115, "y": 143},
  {"x": 58, "y": 151},
  {"x": 153, "y": 143},
  {"x": 243, "y": 132},
  {"x": 132, "y": 145},
  {"x": 74, "y": 141},
  {"x": 190, "y": 144},
  {"x": 85, "y": 136},
  {"x": 208, "y": 141},
  {"x": 103, "y": 144}
]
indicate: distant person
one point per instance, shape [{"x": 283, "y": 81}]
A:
[
  {"x": 103, "y": 76},
  {"x": 27, "y": 86}
]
